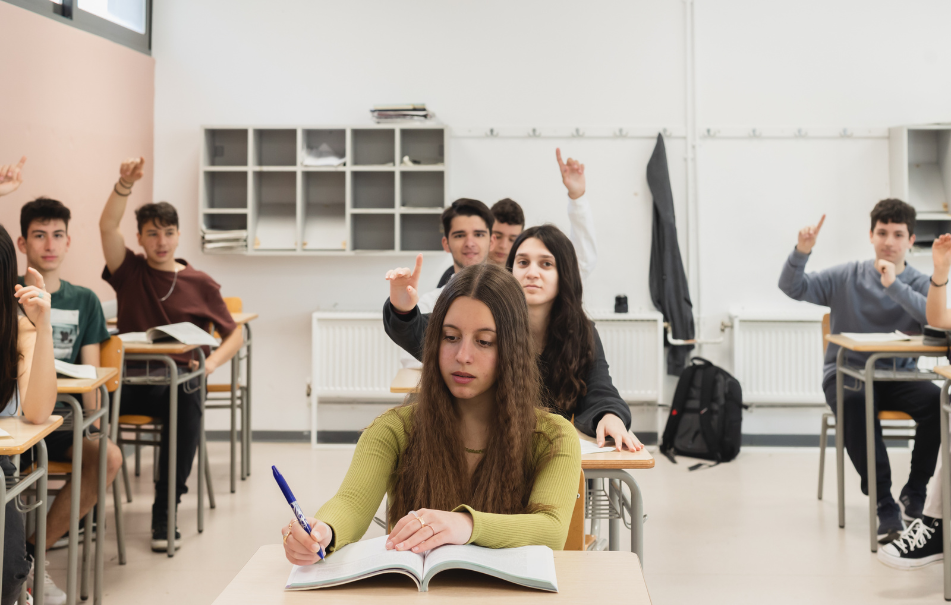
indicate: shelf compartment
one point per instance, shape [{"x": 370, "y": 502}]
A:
[
  {"x": 325, "y": 211},
  {"x": 929, "y": 169},
  {"x": 422, "y": 190},
  {"x": 277, "y": 147},
  {"x": 335, "y": 139},
  {"x": 420, "y": 232},
  {"x": 424, "y": 145},
  {"x": 275, "y": 204},
  {"x": 226, "y": 147},
  {"x": 226, "y": 190},
  {"x": 373, "y": 231},
  {"x": 373, "y": 190},
  {"x": 373, "y": 147},
  {"x": 225, "y": 222}
]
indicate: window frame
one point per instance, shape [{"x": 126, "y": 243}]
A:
[{"x": 93, "y": 24}]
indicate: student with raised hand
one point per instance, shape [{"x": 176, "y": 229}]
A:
[
  {"x": 78, "y": 327},
  {"x": 27, "y": 387},
  {"x": 921, "y": 543},
  {"x": 510, "y": 222},
  {"x": 154, "y": 289},
  {"x": 883, "y": 294},
  {"x": 473, "y": 458},
  {"x": 567, "y": 348}
]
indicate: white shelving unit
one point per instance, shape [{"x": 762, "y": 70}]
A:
[
  {"x": 920, "y": 174},
  {"x": 254, "y": 179}
]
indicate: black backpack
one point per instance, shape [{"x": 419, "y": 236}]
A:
[{"x": 705, "y": 416}]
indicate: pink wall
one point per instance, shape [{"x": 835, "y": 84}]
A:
[{"x": 76, "y": 105}]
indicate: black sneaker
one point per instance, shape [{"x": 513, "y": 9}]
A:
[
  {"x": 890, "y": 525},
  {"x": 912, "y": 505},
  {"x": 160, "y": 538},
  {"x": 919, "y": 546}
]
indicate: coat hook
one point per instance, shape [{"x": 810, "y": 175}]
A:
[
  {"x": 620, "y": 132},
  {"x": 492, "y": 132},
  {"x": 711, "y": 132},
  {"x": 534, "y": 132},
  {"x": 577, "y": 132},
  {"x": 665, "y": 132},
  {"x": 800, "y": 133},
  {"x": 845, "y": 132},
  {"x": 756, "y": 133}
]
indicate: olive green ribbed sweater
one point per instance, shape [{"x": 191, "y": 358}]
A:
[{"x": 376, "y": 458}]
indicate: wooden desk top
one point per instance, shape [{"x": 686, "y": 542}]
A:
[
  {"x": 943, "y": 371},
  {"x": 624, "y": 459},
  {"x": 164, "y": 348},
  {"x": 75, "y": 386},
  {"x": 906, "y": 346},
  {"x": 406, "y": 381},
  {"x": 580, "y": 575},
  {"x": 25, "y": 434},
  {"x": 243, "y": 318}
]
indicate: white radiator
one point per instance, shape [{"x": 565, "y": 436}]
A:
[
  {"x": 354, "y": 360},
  {"x": 778, "y": 358}
]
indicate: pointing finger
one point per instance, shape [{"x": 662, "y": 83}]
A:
[
  {"x": 561, "y": 164},
  {"x": 819, "y": 226},
  {"x": 419, "y": 265},
  {"x": 21, "y": 162}
]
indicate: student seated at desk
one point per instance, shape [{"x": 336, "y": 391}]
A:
[
  {"x": 157, "y": 289},
  {"x": 474, "y": 458},
  {"x": 27, "y": 385},
  {"x": 79, "y": 327},
  {"x": 510, "y": 222},
  {"x": 921, "y": 544},
  {"x": 880, "y": 295},
  {"x": 567, "y": 348}
]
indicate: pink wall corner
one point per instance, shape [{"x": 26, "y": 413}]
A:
[{"x": 76, "y": 105}]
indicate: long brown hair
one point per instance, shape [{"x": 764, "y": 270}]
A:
[
  {"x": 8, "y": 319},
  {"x": 569, "y": 348},
  {"x": 433, "y": 472}
]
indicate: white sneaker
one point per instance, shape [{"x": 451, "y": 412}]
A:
[{"x": 52, "y": 593}]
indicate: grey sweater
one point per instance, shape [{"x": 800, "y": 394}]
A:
[{"x": 859, "y": 301}]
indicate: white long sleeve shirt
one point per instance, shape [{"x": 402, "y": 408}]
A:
[{"x": 582, "y": 235}]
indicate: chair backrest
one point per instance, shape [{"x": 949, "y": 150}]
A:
[
  {"x": 234, "y": 304},
  {"x": 111, "y": 355},
  {"x": 826, "y": 328},
  {"x": 575, "y": 540}
]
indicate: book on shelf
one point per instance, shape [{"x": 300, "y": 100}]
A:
[
  {"x": 530, "y": 566},
  {"x": 185, "y": 332},
  {"x": 210, "y": 235},
  {"x": 400, "y": 107}
]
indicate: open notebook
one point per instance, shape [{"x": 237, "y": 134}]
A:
[
  {"x": 531, "y": 566},
  {"x": 186, "y": 333},
  {"x": 74, "y": 370}
]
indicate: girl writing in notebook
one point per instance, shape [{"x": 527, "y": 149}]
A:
[
  {"x": 27, "y": 387},
  {"x": 569, "y": 352},
  {"x": 473, "y": 458}
]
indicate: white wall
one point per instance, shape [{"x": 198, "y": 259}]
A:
[{"x": 535, "y": 63}]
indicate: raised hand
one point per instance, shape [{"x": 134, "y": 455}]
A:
[
  {"x": 941, "y": 255},
  {"x": 11, "y": 176},
  {"x": 426, "y": 529},
  {"x": 887, "y": 269},
  {"x": 572, "y": 175},
  {"x": 301, "y": 548},
  {"x": 404, "y": 286},
  {"x": 132, "y": 170},
  {"x": 808, "y": 235},
  {"x": 34, "y": 299}
]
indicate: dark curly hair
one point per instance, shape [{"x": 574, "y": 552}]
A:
[
  {"x": 894, "y": 211},
  {"x": 569, "y": 350}
]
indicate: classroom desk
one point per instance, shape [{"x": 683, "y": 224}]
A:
[
  {"x": 66, "y": 391},
  {"x": 869, "y": 375},
  {"x": 26, "y": 435},
  {"x": 606, "y": 465},
  {"x": 161, "y": 352},
  {"x": 262, "y": 580},
  {"x": 945, "y": 373}
]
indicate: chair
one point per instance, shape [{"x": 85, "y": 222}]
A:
[
  {"x": 887, "y": 418},
  {"x": 577, "y": 540},
  {"x": 222, "y": 394}
]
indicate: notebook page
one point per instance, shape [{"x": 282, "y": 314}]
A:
[
  {"x": 895, "y": 336},
  {"x": 533, "y": 563},
  {"x": 74, "y": 370},
  {"x": 186, "y": 333},
  {"x": 354, "y": 561}
]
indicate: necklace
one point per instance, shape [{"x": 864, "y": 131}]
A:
[
  {"x": 472, "y": 451},
  {"x": 174, "y": 281}
]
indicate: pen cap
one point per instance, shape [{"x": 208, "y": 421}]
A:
[{"x": 283, "y": 485}]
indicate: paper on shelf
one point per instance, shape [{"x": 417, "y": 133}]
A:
[{"x": 322, "y": 156}]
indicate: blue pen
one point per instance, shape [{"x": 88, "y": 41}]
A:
[{"x": 294, "y": 506}]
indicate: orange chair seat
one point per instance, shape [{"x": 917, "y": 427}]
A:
[
  {"x": 888, "y": 415},
  {"x": 138, "y": 420},
  {"x": 588, "y": 541},
  {"x": 219, "y": 388},
  {"x": 59, "y": 468}
]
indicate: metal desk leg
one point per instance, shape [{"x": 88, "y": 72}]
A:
[
  {"x": 870, "y": 451},
  {"x": 39, "y": 569},
  {"x": 101, "y": 498},
  {"x": 614, "y": 525},
  {"x": 945, "y": 479},
  {"x": 247, "y": 404},
  {"x": 840, "y": 433},
  {"x": 637, "y": 511},
  {"x": 3, "y": 521},
  {"x": 173, "y": 451},
  {"x": 234, "y": 417},
  {"x": 74, "y": 492}
]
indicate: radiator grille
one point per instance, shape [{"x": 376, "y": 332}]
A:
[{"x": 778, "y": 361}]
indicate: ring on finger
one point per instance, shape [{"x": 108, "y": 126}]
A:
[
  {"x": 286, "y": 536},
  {"x": 422, "y": 522}
]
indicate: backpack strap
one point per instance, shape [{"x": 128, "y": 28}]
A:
[
  {"x": 676, "y": 411},
  {"x": 706, "y": 415}
]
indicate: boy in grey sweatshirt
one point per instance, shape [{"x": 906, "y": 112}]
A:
[{"x": 880, "y": 295}]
